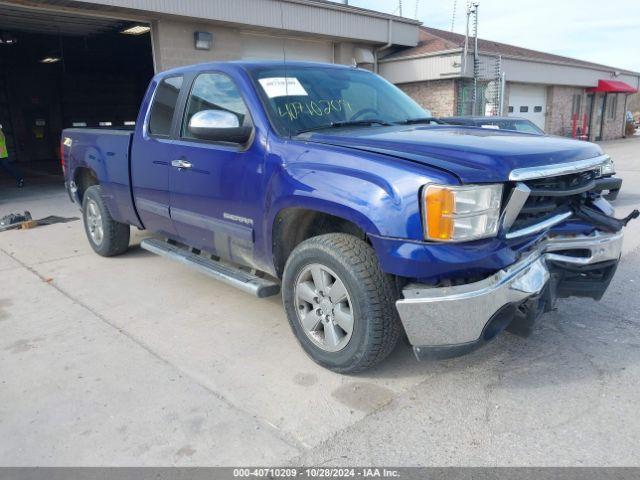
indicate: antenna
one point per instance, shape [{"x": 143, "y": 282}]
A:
[
  {"x": 284, "y": 54},
  {"x": 453, "y": 14},
  {"x": 400, "y": 7},
  {"x": 417, "y": 4},
  {"x": 284, "y": 45}
]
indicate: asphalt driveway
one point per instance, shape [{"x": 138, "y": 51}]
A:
[{"x": 136, "y": 360}]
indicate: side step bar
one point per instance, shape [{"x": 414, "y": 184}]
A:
[{"x": 245, "y": 281}]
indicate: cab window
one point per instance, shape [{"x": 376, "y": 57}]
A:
[
  {"x": 215, "y": 91},
  {"x": 164, "y": 106}
]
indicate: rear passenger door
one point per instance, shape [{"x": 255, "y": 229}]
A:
[
  {"x": 152, "y": 151},
  {"x": 217, "y": 199}
]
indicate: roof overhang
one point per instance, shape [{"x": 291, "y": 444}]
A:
[
  {"x": 322, "y": 18},
  {"x": 612, "y": 86}
]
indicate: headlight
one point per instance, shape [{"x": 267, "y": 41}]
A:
[
  {"x": 607, "y": 167},
  {"x": 458, "y": 214}
]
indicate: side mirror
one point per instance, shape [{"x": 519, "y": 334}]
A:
[{"x": 218, "y": 126}]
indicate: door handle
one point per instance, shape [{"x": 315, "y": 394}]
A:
[{"x": 181, "y": 164}]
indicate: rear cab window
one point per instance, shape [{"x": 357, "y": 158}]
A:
[{"x": 163, "y": 107}]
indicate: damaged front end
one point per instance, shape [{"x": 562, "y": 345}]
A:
[{"x": 557, "y": 259}]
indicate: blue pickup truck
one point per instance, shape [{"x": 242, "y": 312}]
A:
[{"x": 329, "y": 183}]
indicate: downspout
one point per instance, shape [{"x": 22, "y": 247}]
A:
[
  {"x": 624, "y": 116},
  {"x": 385, "y": 46}
]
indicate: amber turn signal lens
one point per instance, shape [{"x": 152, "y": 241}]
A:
[{"x": 440, "y": 204}]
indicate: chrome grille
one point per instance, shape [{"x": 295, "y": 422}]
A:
[{"x": 554, "y": 195}]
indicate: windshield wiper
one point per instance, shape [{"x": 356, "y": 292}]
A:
[
  {"x": 347, "y": 123},
  {"x": 412, "y": 121}
]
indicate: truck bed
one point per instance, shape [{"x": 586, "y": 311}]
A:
[{"x": 106, "y": 151}]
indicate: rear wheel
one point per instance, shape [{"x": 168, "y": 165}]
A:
[
  {"x": 106, "y": 236},
  {"x": 339, "y": 303}
]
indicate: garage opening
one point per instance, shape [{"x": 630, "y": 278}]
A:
[{"x": 59, "y": 70}]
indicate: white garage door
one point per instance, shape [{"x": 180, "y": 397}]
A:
[
  {"x": 528, "y": 101},
  {"x": 259, "y": 47}
]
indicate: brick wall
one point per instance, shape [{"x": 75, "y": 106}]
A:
[
  {"x": 559, "y": 109},
  {"x": 439, "y": 96},
  {"x": 613, "y": 120},
  {"x": 173, "y": 44},
  {"x": 559, "y": 113}
]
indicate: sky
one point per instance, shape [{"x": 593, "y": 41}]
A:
[{"x": 603, "y": 32}]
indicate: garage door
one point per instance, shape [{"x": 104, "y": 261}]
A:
[
  {"x": 64, "y": 69},
  {"x": 528, "y": 101},
  {"x": 259, "y": 47}
]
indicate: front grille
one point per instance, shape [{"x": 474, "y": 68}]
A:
[{"x": 553, "y": 195}]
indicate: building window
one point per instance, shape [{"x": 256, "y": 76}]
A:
[
  {"x": 537, "y": 109},
  {"x": 524, "y": 109},
  {"x": 510, "y": 108},
  {"x": 613, "y": 106},
  {"x": 576, "y": 105}
]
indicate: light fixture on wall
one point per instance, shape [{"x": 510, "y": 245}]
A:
[
  {"x": 203, "y": 40},
  {"x": 136, "y": 30},
  {"x": 50, "y": 60},
  {"x": 362, "y": 56}
]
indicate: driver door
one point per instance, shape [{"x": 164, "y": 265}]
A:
[{"x": 215, "y": 186}]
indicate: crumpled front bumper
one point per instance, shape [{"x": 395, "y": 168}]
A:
[{"x": 442, "y": 322}]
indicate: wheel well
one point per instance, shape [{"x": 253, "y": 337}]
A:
[
  {"x": 293, "y": 226},
  {"x": 84, "y": 178}
]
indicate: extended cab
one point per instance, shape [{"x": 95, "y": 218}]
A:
[{"x": 330, "y": 183}]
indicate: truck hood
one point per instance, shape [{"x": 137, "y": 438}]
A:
[{"x": 474, "y": 155}]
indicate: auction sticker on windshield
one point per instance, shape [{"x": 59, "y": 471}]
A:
[{"x": 282, "y": 87}]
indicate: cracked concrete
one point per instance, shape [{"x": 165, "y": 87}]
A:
[{"x": 135, "y": 360}]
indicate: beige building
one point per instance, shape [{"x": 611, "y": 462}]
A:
[
  {"x": 564, "y": 96},
  {"x": 87, "y": 63}
]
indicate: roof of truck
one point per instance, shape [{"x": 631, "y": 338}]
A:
[{"x": 250, "y": 64}]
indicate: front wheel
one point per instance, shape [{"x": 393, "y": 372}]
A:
[
  {"x": 106, "y": 236},
  {"x": 339, "y": 303}
]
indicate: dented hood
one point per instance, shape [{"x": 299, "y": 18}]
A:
[{"x": 474, "y": 155}]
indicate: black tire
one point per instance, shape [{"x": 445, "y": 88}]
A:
[
  {"x": 372, "y": 295},
  {"x": 115, "y": 235}
]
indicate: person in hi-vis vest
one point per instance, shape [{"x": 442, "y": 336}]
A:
[{"x": 6, "y": 164}]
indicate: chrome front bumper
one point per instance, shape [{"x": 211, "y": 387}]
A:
[{"x": 447, "y": 321}]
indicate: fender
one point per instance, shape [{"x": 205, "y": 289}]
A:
[{"x": 376, "y": 193}]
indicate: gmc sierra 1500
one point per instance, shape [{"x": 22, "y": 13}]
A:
[{"x": 329, "y": 182}]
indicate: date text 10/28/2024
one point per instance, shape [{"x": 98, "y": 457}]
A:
[{"x": 292, "y": 472}]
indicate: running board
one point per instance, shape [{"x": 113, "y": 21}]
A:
[{"x": 245, "y": 281}]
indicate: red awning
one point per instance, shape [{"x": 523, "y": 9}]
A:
[{"x": 612, "y": 86}]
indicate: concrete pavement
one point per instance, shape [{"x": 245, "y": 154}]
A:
[{"x": 136, "y": 360}]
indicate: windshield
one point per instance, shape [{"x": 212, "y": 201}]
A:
[
  {"x": 527, "y": 127},
  {"x": 299, "y": 99},
  {"x": 524, "y": 126}
]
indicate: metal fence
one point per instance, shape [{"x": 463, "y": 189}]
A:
[{"x": 482, "y": 94}]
